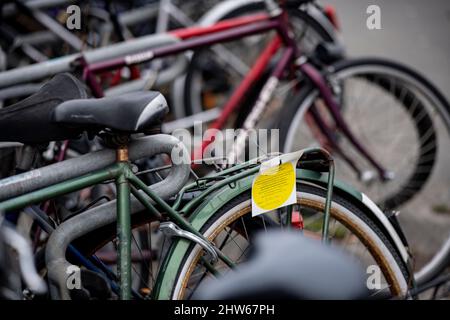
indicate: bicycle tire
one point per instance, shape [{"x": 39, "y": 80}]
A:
[
  {"x": 405, "y": 79},
  {"x": 352, "y": 214},
  {"x": 345, "y": 210}
]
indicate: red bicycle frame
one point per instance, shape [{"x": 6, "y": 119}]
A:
[{"x": 229, "y": 30}]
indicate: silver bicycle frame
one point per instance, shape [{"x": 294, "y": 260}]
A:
[{"x": 39, "y": 71}]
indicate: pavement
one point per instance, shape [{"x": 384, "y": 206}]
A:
[{"x": 416, "y": 33}]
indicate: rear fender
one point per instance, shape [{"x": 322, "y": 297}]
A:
[{"x": 174, "y": 259}]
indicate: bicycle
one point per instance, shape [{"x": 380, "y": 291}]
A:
[
  {"x": 221, "y": 11},
  {"x": 416, "y": 101},
  {"x": 166, "y": 14},
  {"x": 206, "y": 30},
  {"x": 200, "y": 215}
]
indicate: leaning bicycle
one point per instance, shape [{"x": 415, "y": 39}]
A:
[{"x": 208, "y": 222}]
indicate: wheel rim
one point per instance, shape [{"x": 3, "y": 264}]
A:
[
  {"x": 424, "y": 153},
  {"x": 183, "y": 288}
]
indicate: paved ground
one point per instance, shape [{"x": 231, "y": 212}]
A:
[{"x": 414, "y": 32}]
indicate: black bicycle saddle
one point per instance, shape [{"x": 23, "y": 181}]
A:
[
  {"x": 29, "y": 121},
  {"x": 132, "y": 112},
  {"x": 61, "y": 110}
]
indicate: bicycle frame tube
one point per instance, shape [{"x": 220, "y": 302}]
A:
[
  {"x": 228, "y": 30},
  {"x": 325, "y": 92},
  {"x": 237, "y": 96},
  {"x": 124, "y": 230},
  {"x": 204, "y": 36},
  {"x": 60, "y": 189},
  {"x": 186, "y": 33},
  {"x": 126, "y": 181},
  {"x": 329, "y": 137}
]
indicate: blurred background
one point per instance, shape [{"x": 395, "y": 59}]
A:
[
  {"x": 201, "y": 81},
  {"x": 414, "y": 32}
]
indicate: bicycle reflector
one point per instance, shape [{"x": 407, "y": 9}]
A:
[
  {"x": 330, "y": 12},
  {"x": 297, "y": 220}
]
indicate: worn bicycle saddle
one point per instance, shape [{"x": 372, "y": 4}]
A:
[
  {"x": 29, "y": 121},
  {"x": 61, "y": 110},
  {"x": 130, "y": 113}
]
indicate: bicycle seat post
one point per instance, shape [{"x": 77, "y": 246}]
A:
[
  {"x": 123, "y": 217},
  {"x": 122, "y": 153}
]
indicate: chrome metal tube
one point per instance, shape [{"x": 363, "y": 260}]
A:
[
  {"x": 51, "y": 67},
  {"x": 61, "y": 171},
  {"x": 439, "y": 263},
  {"x": 105, "y": 214}
]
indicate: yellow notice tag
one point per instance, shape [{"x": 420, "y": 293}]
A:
[{"x": 275, "y": 184}]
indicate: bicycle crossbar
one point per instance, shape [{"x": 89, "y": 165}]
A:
[{"x": 140, "y": 148}]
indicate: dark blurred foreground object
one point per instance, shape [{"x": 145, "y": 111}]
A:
[{"x": 287, "y": 265}]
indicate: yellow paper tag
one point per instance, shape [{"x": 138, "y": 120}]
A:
[
  {"x": 275, "y": 184},
  {"x": 273, "y": 187}
]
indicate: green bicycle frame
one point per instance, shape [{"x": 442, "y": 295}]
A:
[{"x": 128, "y": 183}]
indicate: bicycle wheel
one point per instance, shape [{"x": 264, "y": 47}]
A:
[
  {"x": 212, "y": 75},
  {"x": 398, "y": 115},
  {"x": 232, "y": 227}
]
